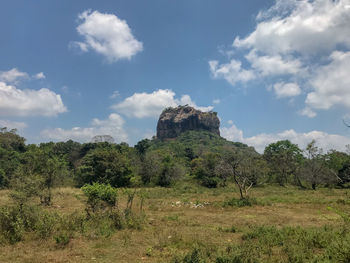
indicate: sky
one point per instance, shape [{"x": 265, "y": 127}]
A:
[{"x": 273, "y": 70}]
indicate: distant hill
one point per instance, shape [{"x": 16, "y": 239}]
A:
[{"x": 199, "y": 142}]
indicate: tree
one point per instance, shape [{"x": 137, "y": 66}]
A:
[
  {"x": 238, "y": 165},
  {"x": 38, "y": 175},
  {"x": 10, "y": 140},
  {"x": 142, "y": 146},
  {"x": 11, "y": 148},
  {"x": 170, "y": 171},
  {"x": 203, "y": 169},
  {"x": 108, "y": 166},
  {"x": 284, "y": 159},
  {"x": 339, "y": 162},
  {"x": 314, "y": 169},
  {"x": 150, "y": 166}
]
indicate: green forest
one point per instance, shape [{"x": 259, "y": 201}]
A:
[{"x": 56, "y": 194}]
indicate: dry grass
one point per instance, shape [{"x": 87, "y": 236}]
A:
[{"x": 174, "y": 225}]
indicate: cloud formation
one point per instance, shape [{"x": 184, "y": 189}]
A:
[
  {"x": 232, "y": 72},
  {"x": 283, "y": 90},
  {"x": 260, "y": 141},
  {"x": 306, "y": 43},
  {"x": 40, "y": 75},
  {"x": 13, "y": 76},
  {"x": 107, "y": 35},
  {"x": 13, "y": 124},
  {"x": 28, "y": 102},
  {"x": 331, "y": 83},
  {"x": 141, "y": 105},
  {"x": 113, "y": 126}
]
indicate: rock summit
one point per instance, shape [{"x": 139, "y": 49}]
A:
[{"x": 174, "y": 121}]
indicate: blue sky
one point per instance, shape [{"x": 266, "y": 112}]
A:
[{"x": 271, "y": 69}]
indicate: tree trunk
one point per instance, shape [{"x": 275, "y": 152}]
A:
[{"x": 313, "y": 186}]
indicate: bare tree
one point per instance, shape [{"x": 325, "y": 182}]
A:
[{"x": 240, "y": 167}]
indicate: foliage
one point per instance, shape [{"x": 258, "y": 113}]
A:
[
  {"x": 15, "y": 221},
  {"x": 9, "y": 140},
  {"x": 105, "y": 165},
  {"x": 37, "y": 175},
  {"x": 283, "y": 158},
  {"x": 314, "y": 169},
  {"x": 204, "y": 169},
  {"x": 11, "y": 147},
  {"x": 240, "y": 166},
  {"x": 100, "y": 196},
  {"x": 287, "y": 244},
  {"x": 169, "y": 172}
]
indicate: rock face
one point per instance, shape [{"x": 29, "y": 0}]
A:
[
  {"x": 102, "y": 138},
  {"x": 174, "y": 121}
]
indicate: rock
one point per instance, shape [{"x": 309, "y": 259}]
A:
[
  {"x": 102, "y": 138},
  {"x": 174, "y": 121}
]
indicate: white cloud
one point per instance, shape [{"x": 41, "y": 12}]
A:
[
  {"x": 115, "y": 94},
  {"x": 331, "y": 83},
  {"x": 216, "y": 101},
  {"x": 141, "y": 105},
  {"x": 40, "y": 75},
  {"x": 274, "y": 65},
  {"x": 232, "y": 72},
  {"x": 308, "y": 112},
  {"x": 13, "y": 76},
  {"x": 232, "y": 133},
  {"x": 293, "y": 40},
  {"x": 112, "y": 126},
  {"x": 13, "y": 124},
  {"x": 303, "y": 26},
  {"x": 283, "y": 90},
  {"x": 28, "y": 102},
  {"x": 259, "y": 142},
  {"x": 107, "y": 35}
]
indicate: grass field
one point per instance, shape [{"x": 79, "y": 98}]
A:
[{"x": 181, "y": 219}]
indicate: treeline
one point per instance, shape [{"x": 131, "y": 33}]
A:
[{"x": 202, "y": 156}]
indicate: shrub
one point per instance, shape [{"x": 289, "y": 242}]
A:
[
  {"x": 16, "y": 220},
  {"x": 45, "y": 224},
  {"x": 12, "y": 225},
  {"x": 99, "y": 196},
  {"x": 62, "y": 239}
]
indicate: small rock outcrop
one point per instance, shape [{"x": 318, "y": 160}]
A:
[{"x": 174, "y": 121}]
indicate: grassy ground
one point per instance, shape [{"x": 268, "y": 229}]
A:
[{"x": 181, "y": 218}]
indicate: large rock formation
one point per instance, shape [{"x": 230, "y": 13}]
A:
[
  {"x": 174, "y": 121},
  {"x": 102, "y": 138}
]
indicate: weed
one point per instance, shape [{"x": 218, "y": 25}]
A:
[
  {"x": 240, "y": 202},
  {"x": 231, "y": 229},
  {"x": 62, "y": 239}
]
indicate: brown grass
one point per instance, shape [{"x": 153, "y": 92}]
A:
[{"x": 174, "y": 226}]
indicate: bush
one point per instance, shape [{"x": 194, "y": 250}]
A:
[
  {"x": 99, "y": 196},
  {"x": 46, "y": 224},
  {"x": 15, "y": 221},
  {"x": 62, "y": 239},
  {"x": 12, "y": 225}
]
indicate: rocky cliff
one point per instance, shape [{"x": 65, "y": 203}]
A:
[
  {"x": 174, "y": 121},
  {"x": 102, "y": 138}
]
